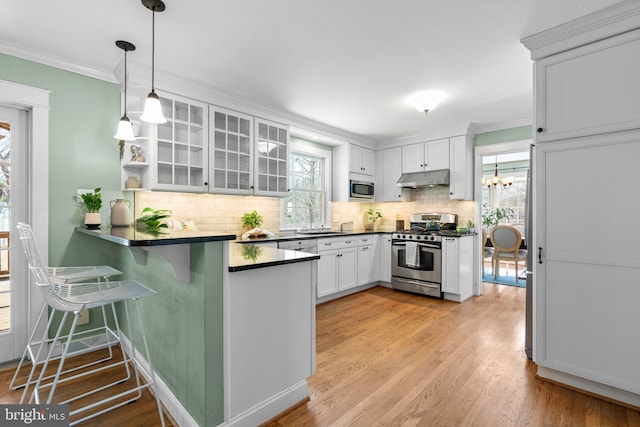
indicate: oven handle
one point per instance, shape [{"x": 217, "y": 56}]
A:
[
  {"x": 417, "y": 282},
  {"x": 424, "y": 245}
]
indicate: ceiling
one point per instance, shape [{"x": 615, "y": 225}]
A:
[{"x": 348, "y": 64}]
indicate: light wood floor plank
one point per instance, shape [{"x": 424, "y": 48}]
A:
[{"x": 388, "y": 358}]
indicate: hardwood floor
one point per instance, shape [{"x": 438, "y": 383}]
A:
[
  {"x": 388, "y": 358},
  {"x": 141, "y": 413}
]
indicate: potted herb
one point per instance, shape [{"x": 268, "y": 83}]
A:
[
  {"x": 252, "y": 220},
  {"x": 471, "y": 226},
  {"x": 372, "y": 217},
  {"x": 93, "y": 203}
]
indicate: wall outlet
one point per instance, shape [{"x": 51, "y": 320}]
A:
[{"x": 84, "y": 317}]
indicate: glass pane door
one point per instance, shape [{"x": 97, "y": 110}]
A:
[{"x": 5, "y": 226}]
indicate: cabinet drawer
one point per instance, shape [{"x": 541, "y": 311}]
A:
[
  {"x": 365, "y": 240},
  {"x": 327, "y": 244}
]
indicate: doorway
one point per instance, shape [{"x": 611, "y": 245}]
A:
[{"x": 24, "y": 110}]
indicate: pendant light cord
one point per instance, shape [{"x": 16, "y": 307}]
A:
[
  {"x": 153, "y": 48},
  {"x": 125, "y": 83}
]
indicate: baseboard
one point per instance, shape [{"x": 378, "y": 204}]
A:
[
  {"x": 170, "y": 402},
  {"x": 271, "y": 407},
  {"x": 602, "y": 391}
]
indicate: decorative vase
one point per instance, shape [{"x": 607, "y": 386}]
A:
[
  {"x": 132, "y": 182},
  {"x": 92, "y": 220},
  {"x": 120, "y": 213}
]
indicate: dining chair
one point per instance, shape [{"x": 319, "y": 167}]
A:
[
  {"x": 506, "y": 241},
  {"x": 487, "y": 252},
  {"x": 71, "y": 299}
]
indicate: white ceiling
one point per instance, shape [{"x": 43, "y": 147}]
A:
[{"x": 350, "y": 64}]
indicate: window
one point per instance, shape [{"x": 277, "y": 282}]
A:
[
  {"x": 512, "y": 200},
  {"x": 309, "y": 171}
]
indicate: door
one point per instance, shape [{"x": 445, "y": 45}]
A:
[
  {"x": 436, "y": 155},
  {"x": 347, "y": 269},
  {"x": 328, "y": 273},
  {"x": 13, "y": 201}
]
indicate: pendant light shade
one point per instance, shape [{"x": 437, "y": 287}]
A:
[
  {"x": 152, "y": 108},
  {"x": 125, "y": 130}
]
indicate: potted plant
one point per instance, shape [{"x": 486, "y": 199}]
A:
[
  {"x": 152, "y": 218},
  {"x": 252, "y": 220},
  {"x": 372, "y": 217},
  {"x": 93, "y": 203},
  {"x": 471, "y": 226}
]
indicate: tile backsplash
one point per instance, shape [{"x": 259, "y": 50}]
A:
[{"x": 221, "y": 213}]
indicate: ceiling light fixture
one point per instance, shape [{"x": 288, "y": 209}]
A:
[
  {"x": 152, "y": 108},
  {"x": 125, "y": 130},
  {"x": 492, "y": 183},
  {"x": 428, "y": 100}
]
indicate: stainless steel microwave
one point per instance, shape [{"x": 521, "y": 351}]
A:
[{"x": 360, "y": 190}]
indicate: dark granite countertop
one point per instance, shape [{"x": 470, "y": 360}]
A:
[
  {"x": 300, "y": 236},
  {"x": 130, "y": 236},
  {"x": 247, "y": 257}
]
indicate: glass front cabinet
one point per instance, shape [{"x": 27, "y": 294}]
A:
[
  {"x": 181, "y": 161},
  {"x": 204, "y": 148}
]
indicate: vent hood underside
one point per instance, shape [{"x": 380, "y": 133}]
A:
[{"x": 424, "y": 179}]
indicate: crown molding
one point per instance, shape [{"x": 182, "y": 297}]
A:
[
  {"x": 492, "y": 127},
  {"x": 616, "y": 19},
  {"x": 462, "y": 129},
  {"x": 43, "y": 58}
]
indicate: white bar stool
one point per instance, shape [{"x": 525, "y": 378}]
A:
[{"x": 73, "y": 298}]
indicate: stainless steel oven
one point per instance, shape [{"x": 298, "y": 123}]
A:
[{"x": 422, "y": 274}]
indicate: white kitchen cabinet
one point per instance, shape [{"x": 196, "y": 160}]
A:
[
  {"x": 426, "y": 156},
  {"x": 384, "y": 257},
  {"x": 337, "y": 267},
  {"x": 388, "y": 170},
  {"x": 271, "y": 158},
  {"x": 361, "y": 160},
  {"x": 461, "y": 167},
  {"x": 457, "y": 268},
  {"x": 366, "y": 252},
  {"x": 179, "y": 155},
  {"x": 588, "y": 117},
  {"x": 231, "y": 161},
  {"x": 589, "y": 90}
]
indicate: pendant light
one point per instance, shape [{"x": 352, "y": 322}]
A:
[
  {"x": 152, "y": 108},
  {"x": 125, "y": 130}
]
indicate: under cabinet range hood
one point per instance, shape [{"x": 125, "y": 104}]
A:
[{"x": 424, "y": 179}]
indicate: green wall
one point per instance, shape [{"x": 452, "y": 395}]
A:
[
  {"x": 503, "y": 135},
  {"x": 183, "y": 322}
]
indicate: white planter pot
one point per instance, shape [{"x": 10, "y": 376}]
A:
[{"x": 92, "y": 219}]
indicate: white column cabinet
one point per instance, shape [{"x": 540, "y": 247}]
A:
[
  {"x": 457, "y": 268},
  {"x": 461, "y": 167},
  {"x": 587, "y": 122},
  {"x": 388, "y": 170},
  {"x": 338, "y": 265},
  {"x": 366, "y": 259},
  {"x": 426, "y": 156}
]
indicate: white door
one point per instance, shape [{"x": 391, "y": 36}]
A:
[{"x": 13, "y": 207}]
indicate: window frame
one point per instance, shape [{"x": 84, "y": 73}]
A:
[{"x": 301, "y": 146}]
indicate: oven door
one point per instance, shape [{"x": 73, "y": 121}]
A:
[{"x": 429, "y": 265}]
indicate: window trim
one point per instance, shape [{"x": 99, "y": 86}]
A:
[{"x": 312, "y": 150}]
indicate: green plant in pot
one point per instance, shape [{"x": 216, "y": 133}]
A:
[
  {"x": 372, "y": 217},
  {"x": 251, "y": 220},
  {"x": 152, "y": 220},
  {"x": 93, "y": 203}
]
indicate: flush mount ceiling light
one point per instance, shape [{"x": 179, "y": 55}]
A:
[
  {"x": 125, "y": 130},
  {"x": 152, "y": 108},
  {"x": 492, "y": 183},
  {"x": 427, "y": 101}
]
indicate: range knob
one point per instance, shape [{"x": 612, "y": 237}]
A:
[
  {"x": 418, "y": 237},
  {"x": 433, "y": 238},
  {"x": 410, "y": 237}
]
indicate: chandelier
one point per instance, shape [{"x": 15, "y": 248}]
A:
[{"x": 492, "y": 183}]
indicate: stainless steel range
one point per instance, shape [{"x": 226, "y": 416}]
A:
[{"x": 416, "y": 258}]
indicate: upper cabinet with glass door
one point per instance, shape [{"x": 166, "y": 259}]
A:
[
  {"x": 230, "y": 161},
  {"x": 182, "y": 146},
  {"x": 271, "y": 158}
]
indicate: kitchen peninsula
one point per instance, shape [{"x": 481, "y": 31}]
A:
[{"x": 235, "y": 341}]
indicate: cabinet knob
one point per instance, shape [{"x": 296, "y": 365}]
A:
[
  {"x": 251, "y": 187},
  {"x": 206, "y": 183},
  {"x": 540, "y": 130}
]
